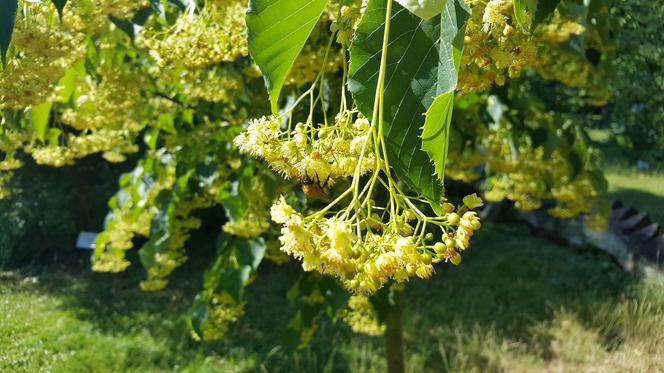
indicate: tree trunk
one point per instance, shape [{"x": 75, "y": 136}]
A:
[{"x": 394, "y": 335}]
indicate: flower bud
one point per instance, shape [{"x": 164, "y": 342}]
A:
[{"x": 453, "y": 218}]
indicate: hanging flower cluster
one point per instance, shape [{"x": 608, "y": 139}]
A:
[
  {"x": 495, "y": 48},
  {"x": 201, "y": 37},
  {"x": 358, "y": 246},
  {"x": 43, "y": 49},
  {"x": 345, "y": 18},
  {"x": 121, "y": 9},
  {"x": 307, "y": 153},
  {"x": 372, "y": 232},
  {"x": 361, "y": 316},
  {"x": 222, "y": 311},
  {"x": 518, "y": 172},
  {"x": 256, "y": 220}
]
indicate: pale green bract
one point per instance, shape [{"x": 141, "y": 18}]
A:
[
  {"x": 424, "y": 9},
  {"x": 436, "y": 130}
]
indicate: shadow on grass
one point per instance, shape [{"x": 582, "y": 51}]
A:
[
  {"x": 510, "y": 280},
  {"x": 508, "y": 283}
]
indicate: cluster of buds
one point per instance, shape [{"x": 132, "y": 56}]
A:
[
  {"x": 309, "y": 154},
  {"x": 43, "y": 49},
  {"x": 496, "y": 48},
  {"x": 113, "y": 143},
  {"x": 361, "y": 316},
  {"x": 493, "y": 47},
  {"x": 214, "y": 34},
  {"x": 344, "y": 20},
  {"x": 223, "y": 310},
  {"x": 308, "y": 64},
  {"x": 256, "y": 220},
  {"x": 121, "y": 9}
]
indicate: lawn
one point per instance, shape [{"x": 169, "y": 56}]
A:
[{"x": 516, "y": 303}]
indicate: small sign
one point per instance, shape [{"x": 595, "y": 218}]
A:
[{"x": 86, "y": 240}]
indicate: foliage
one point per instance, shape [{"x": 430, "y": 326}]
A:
[
  {"x": 349, "y": 87},
  {"x": 637, "y": 119}
]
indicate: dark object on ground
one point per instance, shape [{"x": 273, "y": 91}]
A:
[{"x": 631, "y": 238}]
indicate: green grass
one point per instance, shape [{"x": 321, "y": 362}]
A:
[{"x": 517, "y": 303}]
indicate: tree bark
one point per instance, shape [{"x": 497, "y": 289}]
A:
[{"x": 394, "y": 335}]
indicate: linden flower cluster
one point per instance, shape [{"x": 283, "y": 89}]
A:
[
  {"x": 525, "y": 176},
  {"x": 113, "y": 143},
  {"x": 214, "y": 34},
  {"x": 363, "y": 243},
  {"x": 222, "y": 311},
  {"x": 574, "y": 71},
  {"x": 110, "y": 103},
  {"x": 521, "y": 178},
  {"x": 44, "y": 48},
  {"x": 126, "y": 221},
  {"x": 213, "y": 85},
  {"x": 364, "y": 252},
  {"x": 256, "y": 219},
  {"x": 344, "y": 20},
  {"x": 361, "y": 316},
  {"x": 494, "y": 45},
  {"x": 122, "y": 9},
  {"x": 5, "y": 177},
  {"x": 320, "y": 155},
  {"x": 166, "y": 261},
  {"x": 7, "y": 165},
  {"x": 308, "y": 63}
]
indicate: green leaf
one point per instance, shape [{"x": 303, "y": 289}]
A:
[
  {"x": 520, "y": 14},
  {"x": 436, "y": 131},
  {"x": 232, "y": 281},
  {"x": 452, "y": 31},
  {"x": 422, "y": 60},
  {"x": 278, "y": 30},
  {"x": 160, "y": 232},
  {"x": 39, "y": 116},
  {"x": 54, "y": 136},
  {"x": 542, "y": 9},
  {"x": 472, "y": 201},
  {"x": 410, "y": 86},
  {"x": 198, "y": 313},
  {"x": 575, "y": 163},
  {"x": 250, "y": 252},
  {"x": 68, "y": 82},
  {"x": 8, "y": 10},
  {"x": 60, "y": 6},
  {"x": 598, "y": 181}
]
